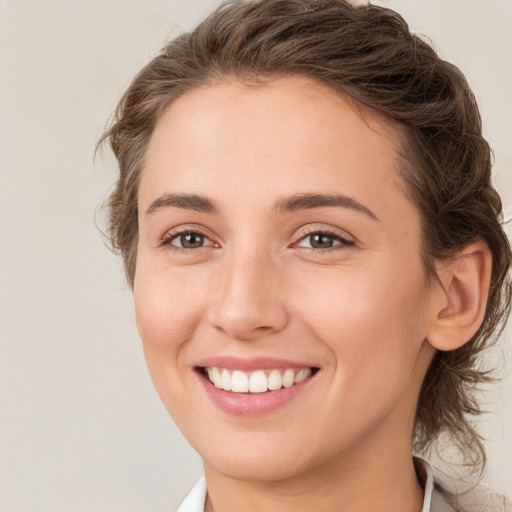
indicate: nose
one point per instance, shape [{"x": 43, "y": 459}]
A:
[{"x": 249, "y": 302}]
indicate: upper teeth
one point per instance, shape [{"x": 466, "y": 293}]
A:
[{"x": 257, "y": 381}]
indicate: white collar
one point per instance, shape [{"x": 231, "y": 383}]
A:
[
  {"x": 194, "y": 502},
  {"x": 429, "y": 484}
]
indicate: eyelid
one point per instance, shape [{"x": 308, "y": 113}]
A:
[
  {"x": 170, "y": 235},
  {"x": 342, "y": 236},
  {"x": 345, "y": 238}
]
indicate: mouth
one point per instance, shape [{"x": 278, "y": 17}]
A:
[{"x": 257, "y": 381}]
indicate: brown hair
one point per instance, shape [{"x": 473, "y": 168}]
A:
[{"x": 366, "y": 53}]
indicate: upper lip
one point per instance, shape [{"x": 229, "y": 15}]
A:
[{"x": 250, "y": 364}]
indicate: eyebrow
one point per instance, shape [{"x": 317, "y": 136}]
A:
[
  {"x": 184, "y": 201},
  {"x": 308, "y": 201},
  {"x": 288, "y": 204}
]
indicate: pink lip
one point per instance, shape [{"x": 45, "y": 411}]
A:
[
  {"x": 251, "y": 404},
  {"x": 256, "y": 363}
]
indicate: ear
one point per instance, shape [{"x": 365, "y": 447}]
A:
[{"x": 458, "y": 311}]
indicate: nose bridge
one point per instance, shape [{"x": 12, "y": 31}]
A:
[{"x": 248, "y": 303}]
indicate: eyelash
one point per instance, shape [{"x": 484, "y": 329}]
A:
[
  {"x": 169, "y": 237},
  {"x": 345, "y": 242}
]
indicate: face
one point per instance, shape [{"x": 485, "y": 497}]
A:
[{"x": 279, "y": 289}]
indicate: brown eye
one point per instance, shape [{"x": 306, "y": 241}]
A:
[
  {"x": 189, "y": 240},
  {"x": 321, "y": 241},
  {"x": 324, "y": 240},
  {"x": 186, "y": 240}
]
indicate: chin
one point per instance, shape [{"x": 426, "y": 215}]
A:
[
  {"x": 269, "y": 463},
  {"x": 250, "y": 470}
]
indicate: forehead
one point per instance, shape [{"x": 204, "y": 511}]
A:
[
  {"x": 291, "y": 107},
  {"x": 291, "y": 135}
]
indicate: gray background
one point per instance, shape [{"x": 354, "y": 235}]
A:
[{"x": 81, "y": 428}]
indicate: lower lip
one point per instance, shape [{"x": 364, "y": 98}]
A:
[{"x": 252, "y": 404}]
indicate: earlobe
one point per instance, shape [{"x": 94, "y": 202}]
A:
[{"x": 458, "y": 311}]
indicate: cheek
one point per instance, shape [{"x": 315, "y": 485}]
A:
[
  {"x": 165, "y": 320},
  {"x": 167, "y": 308},
  {"x": 373, "y": 324},
  {"x": 363, "y": 300},
  {"x": 166, "y": 314}
]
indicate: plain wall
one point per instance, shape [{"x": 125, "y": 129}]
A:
[{"x": 81, "y": 427}]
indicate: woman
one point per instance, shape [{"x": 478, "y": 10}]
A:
[{"x": 307, "y": 220}]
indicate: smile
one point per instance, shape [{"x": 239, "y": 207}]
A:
[{"x": 257, "y": 381}]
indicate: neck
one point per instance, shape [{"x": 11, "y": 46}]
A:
[{"x": 377, "y": 482}]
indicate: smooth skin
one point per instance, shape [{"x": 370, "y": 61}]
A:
[{"x": 256, "y": 282}]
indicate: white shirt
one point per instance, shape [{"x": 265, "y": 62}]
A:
[{"x": 433, "y": 501}]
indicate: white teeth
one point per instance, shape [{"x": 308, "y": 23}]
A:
[
  {"x": 226, "y": 380},
  {"x": 239, "y": 382},
  {"x": 288, "y": 378},
  {"x": 215, "y": 376},
  {"x": 259, "y": 381},
  {"x": 275, "y": 381},
  {"x": 302, "y": 375}
]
